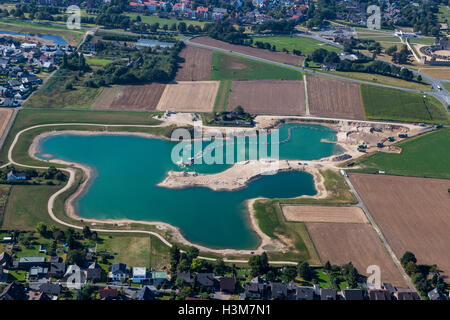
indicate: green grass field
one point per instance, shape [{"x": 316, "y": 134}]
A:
[
  {"x": 220, "y": 104},
  {"x": 163, "y": 21},
  {"x": 304, "y": 44},
  {"x": 272, "y": 222},
  {"x": 391, "y": 104},
  {"x": 97, "y": 61},
  {"x": 54, "y": 94},
  {"x": 423, "y": 156},
  {"x": 29, "y": 117},
  {"x": 230, "y": 67},
  {"x": 27, "y": 206}
]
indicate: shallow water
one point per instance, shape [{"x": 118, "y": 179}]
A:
[
  {"x": 55, "y": 39},
  {"x": 127, "y": 169}
]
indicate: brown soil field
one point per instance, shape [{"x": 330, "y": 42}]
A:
[
  {"x": 437, "y": 72},
  {"x": 5, "y": 115},
  {"x": 335, "y": 214},
  {"x": 412, "y": 213},
  {"x": 198, "y": 96},
  {"x": 358, "y": 243},
  {"x": 277, "y": 97},
  {"x": 334, "y": 98},
  {"x": 196, "y": 65},
  {"x": 259, "y": 53},
  {"x": 132, "y": 97}
]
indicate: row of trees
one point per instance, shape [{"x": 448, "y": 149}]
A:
[{"x": 419, "y": 274}]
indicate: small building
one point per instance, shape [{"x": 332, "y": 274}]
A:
[
  {"x": 38, "y": 272},
  {"x": 13, "y": 291},
  {"x": 227, "y": 284},
  {"x": 186, "y": 276},
  {"x": 159, "y": 277},
  {"x": 57, "y": 269},
  {"x": 140, "y": 275},
  {"x": 108, "y": 293},
  {"x": 26, "y": 263},
  {"x": 206, "y": 280},
  {"x": 93, "y": 272},
  {"x": 144, "y": 294},
  {"x": 16, "y": 176},
  {"x": 353, "y": 294},
  {"x": 434, "y": 295},
  {"x": 50, "y": 289},
  {"x": 327, "y": 294},
  {"x": 119, "y": 272},
  {"x": 304, "y": 293},
  {"x": 406, "y": 294},
  {"x": 378, "y": 294}
]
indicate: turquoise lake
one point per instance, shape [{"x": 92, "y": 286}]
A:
[{"x": 127, "y": 169}]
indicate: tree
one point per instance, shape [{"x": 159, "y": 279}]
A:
[
  {"x": 351, "y": 275},
  {"x": 87, "y": 232},
  {"x": 182, "y": 27},
  {"x": 220, "y": 268},
  {"x": 239, "y": 110},
  {"x": 41, "y": 228},
  {"x": 75, "y": 257},
  {"x": 304, "y": 271},
  {"x": 407, "y": 257},
  {"x": 289, "y": 273},
  {"x": 411, "y": 268},
  {"x": 419, "y": 78}
]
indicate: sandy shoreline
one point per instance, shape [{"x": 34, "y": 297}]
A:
[
  {"x": 265, "y": 241},
  {"x": 234, "y": 178}
]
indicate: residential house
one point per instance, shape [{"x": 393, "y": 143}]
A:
[
  {"x": 108, "y": 293},
  {"x": 206, "y": 280},
  {"x": 5, "y": 260},
  {"x": 13, "y": 291},
  {"x": 202, "y": 13},
  {"x": 279, "y": 290},
  {"x": 50, "y": 289},
  {"x": 353, "y": 294},
  {"x": 144, "y": 294},
  {"x": 26, "y": 263},
  {"x": 227, "y": 284},
  {"x": 378, "y": 294},
  {"x": 159, "y": 277},
  {"x": 57, "y": 269},
  {"x": 434, "y": 295},
  {"x": 140, "y": 275},
  {"x": 406, "y": 294},
  {"x": 118, "y": 272},
  {"x": 186, "y": 276},
  {"x": 38, "y": 272},
  {"x": 218, "y": 13},
  {"x": 16, "y": 176},
  {"x": 304, "y": 293},
  {"x": 327, "y": 294},
  {"x": 93, "y": 272},
  {"x": 255, "y": 289}
]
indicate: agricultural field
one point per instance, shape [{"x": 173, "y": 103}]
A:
[
  {"x": 259, "y": 53},
  {"x": 276, "y": 97},
  {"x": 334, "y": 214},
  {"x": 27, "y": 206},
  {"x": 222, "y": 96},
  {"x": 5, "y": 115},
  {"x": 378, "y": 78},
  {"x": 304, "y": 44},
  {"x": 54, "y": 94},
  {"x": 358, "y": 243},
  {"x": 130, "y": 97},
  {"x": 427, "y": 155},
  {"x": 437, "y": 72},
  {"x": 163, "y": 21},
  {"x": 196, "y": 96},
  {"x": 391, "y": 104},
  {"x": 230, "y": 67},
  {"x": 412, "y": 214},
  {"x": 196, "y": 65},
  {"x": 334, "y": 98},
  {"x": 4, "y": 194}
]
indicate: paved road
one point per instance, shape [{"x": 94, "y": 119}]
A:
[{"x": 380, "y": 234}]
